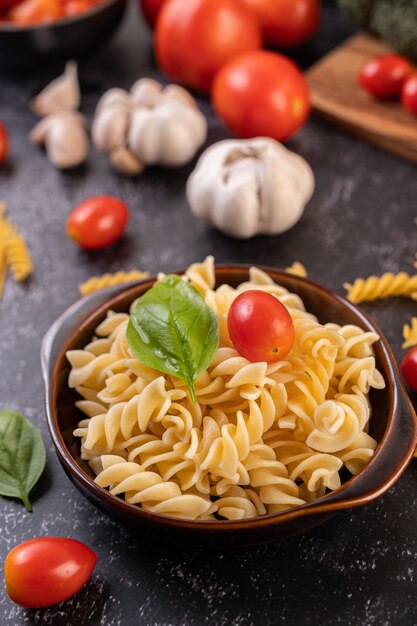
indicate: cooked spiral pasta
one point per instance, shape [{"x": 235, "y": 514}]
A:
[
  {"x": 261, "y": 438},
  {"x": 108, "y": 280},
  {"x": 380, "y": 287}
]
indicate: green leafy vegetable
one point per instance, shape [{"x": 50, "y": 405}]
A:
[
  {"x": 173, "y": 330},
  {"x": 22, "y": 456}
]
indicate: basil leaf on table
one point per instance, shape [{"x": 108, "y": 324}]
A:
[
  {"x": 22, "y": 456},
  {"x": 173, "y": 330}
]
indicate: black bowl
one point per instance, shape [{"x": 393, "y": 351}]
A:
[{"x": 72, "y": 37}]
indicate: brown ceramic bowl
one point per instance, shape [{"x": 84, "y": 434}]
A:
[{"x": 393, "y": 422}]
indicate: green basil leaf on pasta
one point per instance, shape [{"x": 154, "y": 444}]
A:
[
  {"x": 22, "y": 456},
  {"x": 173, "y": 330}
]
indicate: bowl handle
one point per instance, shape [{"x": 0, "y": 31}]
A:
[{"x": 390, "y": 460}]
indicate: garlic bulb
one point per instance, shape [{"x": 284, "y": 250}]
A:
[
  {"x": 65, "y": 138},
  {"x": 250, "y": 187},
  {"x": 151, "y": 125},
  {"x": 62, "y": 94}
]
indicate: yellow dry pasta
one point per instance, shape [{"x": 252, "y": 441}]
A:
[
  {"x": 108, "y": 280},
  {"x": 380, "y": 287},
  {"x": 17, "y": 255},
  {"x": 297, "y": 269},
  {"x": 410, "y": 334},
  {"x": 3, "y": 259}
]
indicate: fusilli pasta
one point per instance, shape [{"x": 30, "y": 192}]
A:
[
  {"x": 380, "y": 287},
  {"x": 107, "y": 280},
  {"x": 410, "y": 334},
  {"x": 297, "y": 269},
  {"x": 262, "y": 438}
]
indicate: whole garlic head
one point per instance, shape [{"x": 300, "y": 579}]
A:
[
  {"x": 250, "y": 187},
  {"x": 156, "y": 125}
]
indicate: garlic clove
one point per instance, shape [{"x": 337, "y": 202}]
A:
[
  {"x": 125, "y": 162},
  {"x": 146, "y": 92},
  {"x": 65, "y": 138},
  {"x": 110, "y": 128},
  {"x": 114, "y": 97},
  {"x": 62, "y": 94},
  {"x": 175, "y": 92}
]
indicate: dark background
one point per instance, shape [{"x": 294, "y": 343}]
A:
[{"x": 358, "y": 568}]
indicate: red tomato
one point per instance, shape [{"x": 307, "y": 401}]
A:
[
  {"x": 384, "y": 76},
  {"x": 4, "y": 143},
  {"x": 286, "y": 23},
  {"x": 150, "y": 10},
  {"x": 47, "y": 570},
  {"x": 98, "y": 222},
  {"x": 35, "y": 12},
  {"x": 260, "y": 327},
  {"x": 409, "y": 93},
  {"x": 194, "y": 38},
  {"x": 261, "y": 94},
  {"x": 409, "y": 368}
]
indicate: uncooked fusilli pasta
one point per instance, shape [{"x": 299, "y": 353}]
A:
[
  {"x": 297, "y": 269},
  {"x": 107, "y": 280},
  {"x": 261, "y": 438},
  {"x": 410, "y": 334},
  {"x": 14, "y": 253},
  {"x": 379, "y": 287}
]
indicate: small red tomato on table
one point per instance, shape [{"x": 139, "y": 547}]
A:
[
  {"x": 286, "y": 23},
  {"x": 194, "y": 38},
  {"x": 260, "y": 327},
  {"x": 409, "y": 368},
  {"x": 4, "y": 143},
  {"x": 47, "y": 570},
  {"x": 98, "y": 222},
  {"x": 409, "y": 93},
  {"x": 261, "y": 94},
  {"x": 384, "y": 76}
]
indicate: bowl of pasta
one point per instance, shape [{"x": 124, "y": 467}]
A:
[{"x": 249, "y": 451}]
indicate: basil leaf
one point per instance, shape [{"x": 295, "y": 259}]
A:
[
  {"x": 22, "y": 456},
  {"x": 173, "y": 330}
]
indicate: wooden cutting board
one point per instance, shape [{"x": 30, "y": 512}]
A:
[{"x": 337, "y": 96}]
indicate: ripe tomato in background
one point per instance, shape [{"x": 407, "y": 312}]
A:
[
  {"x": 286, "y": 23},
  {"x": 385, "y": 75},
  {"x": 44, "y": 571},
  {"x": 150, "y": 9},
  {"x": 4, "y": 143},
  {"x": 260, "y": 327},
  {"x": 409, "y": 93},
  {"x": 36, "y": 12},
  {"x": 98, "y": 222},
  {"x": 194, "y": 38},
  {"x": 409, "y": 368},
  {"x": 261, "y": 94}
]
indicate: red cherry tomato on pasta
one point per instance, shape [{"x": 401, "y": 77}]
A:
[
  {"x": 260, "y": 327},
  {"x": 98, "y": 222},
  {"x": 261, "y": 94},
  {"x": 384, "y": 76},
  {"x": 409, "y": 368},
  {"x": 409, "y": 93},
  {"x": 4, "y": 143},
  {"x": 286, "y": 23},
  {"x": 195, "y": 38},
  {"x": 44, "y": 571},
  {"x": 150, "y": 10}
]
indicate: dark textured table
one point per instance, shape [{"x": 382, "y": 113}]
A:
[{"x": 358, "y": 568}]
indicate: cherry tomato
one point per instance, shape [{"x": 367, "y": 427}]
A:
[
  {"x": 150, "y": 10},
  {"x": 384, "y": 76},
  {"x": 47, "y": 570},
  {"x": 260, "y": 327},
  {"x": 194, "y": 38},
  {"x": 286, "y": 23},
  {"x": 98, "y": 222},
  {"x": 261, "y": 94},
  {"x": 409, "y": 93},
  {"x": 35, "y": 12},
  {"x": 409, "y": 368},
  {"x": 4, "y": 143}
]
